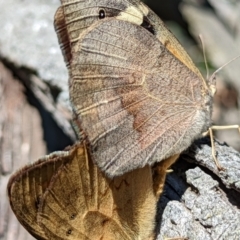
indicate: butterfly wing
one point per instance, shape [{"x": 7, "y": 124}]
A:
[
  {"x": 77, "y": 16},
  {"x": 80, "y": 15},
  {"x": 63, "y": 36},
  {"x": 81, "y": 203},
  {"x": 25, "y": 190},
  {"x": 129, "y": 99}
]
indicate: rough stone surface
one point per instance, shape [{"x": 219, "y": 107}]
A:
[
  {"x": 28, "y": 39},
  {"x": 229, "y": 160},
  {"x": 198, "y": 202}
]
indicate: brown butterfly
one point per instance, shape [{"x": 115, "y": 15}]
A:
[
  {"x": 66, "y": 196},
  {"x": 136, "y": 94}
]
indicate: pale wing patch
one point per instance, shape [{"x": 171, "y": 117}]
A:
[
  {"x": 131, "y": 14},
  {"x": 143, "y": 8}
]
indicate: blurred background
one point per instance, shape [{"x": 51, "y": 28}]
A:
[{"x": 35, "y": 117}]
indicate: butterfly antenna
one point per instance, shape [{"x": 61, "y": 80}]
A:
[
  {"x": 204, "y": 55},
  {"x": 219, "y": 69}
]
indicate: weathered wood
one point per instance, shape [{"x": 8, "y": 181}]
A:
[{"x": 21, "y": 142}]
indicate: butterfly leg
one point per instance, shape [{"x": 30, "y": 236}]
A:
[
  {"x": 160, "y": 171},
  {"x": 210, "y": 133}
]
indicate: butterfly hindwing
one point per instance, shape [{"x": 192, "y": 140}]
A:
[{"x": 127, "y": 102}]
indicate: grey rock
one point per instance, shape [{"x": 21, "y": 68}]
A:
[
  {"x": 206, "y": 206},
  {"x": 28, "y": 39}
]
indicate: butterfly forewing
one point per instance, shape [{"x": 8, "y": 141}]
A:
[
  {"x": 80, "y": 15},
  {"x": 81, "y": 203},
  {"x": 127, "y": 102},
  {"x": 63, "y": 36}
]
